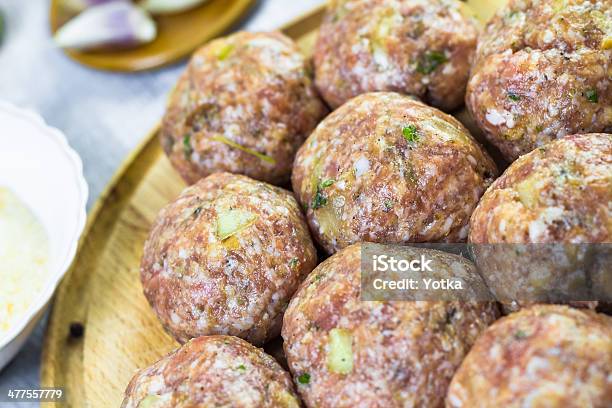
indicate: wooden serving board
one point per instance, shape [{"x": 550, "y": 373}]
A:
[{"x": 102, "y": 291}]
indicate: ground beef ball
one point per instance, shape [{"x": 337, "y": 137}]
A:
[
  {"x": 345, "y": 352},
  {"x": 418, "y": 47},
  {"x": 386, "y": 168},
  {"x": 244, "y": 105},
  {"x": 543, "y": 356},
  {"x": 212, "y": 371},
  {"x": 559, "y": 193},
  {"x": 225, "y": 257},
  {"x": 543, "y": 71}
]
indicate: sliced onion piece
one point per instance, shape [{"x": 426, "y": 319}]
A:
[
  {"x": 115, "y": 24},
  {"x": 169, "y": 6},
  {"x": 232, "y": 221}
]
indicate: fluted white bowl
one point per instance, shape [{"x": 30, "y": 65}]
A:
[{"x": 38, "y": 165}]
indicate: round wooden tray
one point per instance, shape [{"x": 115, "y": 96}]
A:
[
  {"x": 102, "y": 293},
  {"x": 178, "y": 35}
]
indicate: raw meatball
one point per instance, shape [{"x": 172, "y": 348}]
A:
[
  {"x": 543, "y": 71},
  {"x": 244, "y": 105},
  {"x": 212, "y": 371},
  {"x": 225, "y": 258},
  {"x": 344, "y": 352},
  {"x": 559, "y": 193},
  {"x": 385, "y": 168},
  {"x": 544, "y": 356},
  {"x": 418, "y": 47}
]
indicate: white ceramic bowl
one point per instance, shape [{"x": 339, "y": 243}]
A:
[{"x": 37, "y": 164}]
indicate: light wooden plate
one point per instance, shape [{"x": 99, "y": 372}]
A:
[
  {"x": 102, "y": 292},
  {"x": 178, "y": 35}
]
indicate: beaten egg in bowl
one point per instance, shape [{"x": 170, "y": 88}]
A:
[{"x": 24, "y": 258}]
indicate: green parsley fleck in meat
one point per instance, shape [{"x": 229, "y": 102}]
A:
[{"x": 430, "y": 61}]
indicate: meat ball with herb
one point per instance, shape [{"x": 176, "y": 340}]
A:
[
  {"x": 244, "y": 105},
  {"x": 345, "y": 352},
  {"x": 543, "y": 71},
  {"x": 212, "y": 371},
  {"x": 540, "y": 229},
  {"x": 225, "y": 258},
  {"x": 422, "y": 48},
  {"x": 544, "y": 356},
  {"x": 386, "y": 168}
]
